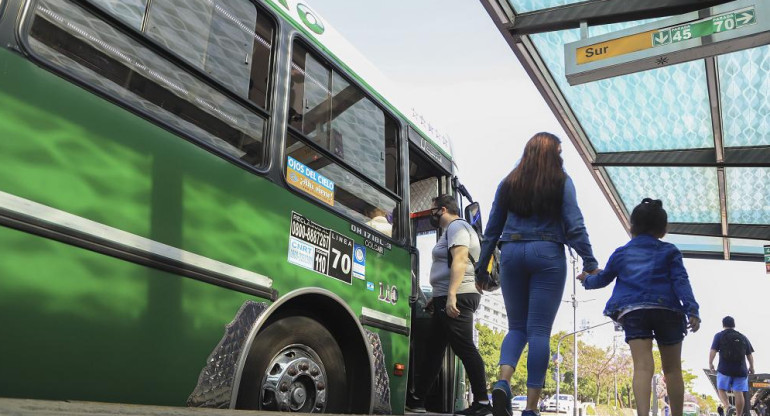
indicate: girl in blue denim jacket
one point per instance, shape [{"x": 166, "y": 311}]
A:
[{"x": 652, "y": 299}]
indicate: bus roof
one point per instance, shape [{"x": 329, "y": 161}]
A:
[{"x": 309, "y": 22}]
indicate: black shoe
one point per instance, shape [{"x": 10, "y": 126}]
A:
[
  {"x": 414, "y": 405},
  {"x": 476, "y": 409}
]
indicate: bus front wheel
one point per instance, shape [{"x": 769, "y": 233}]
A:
[{"x": 294, "y": 365}]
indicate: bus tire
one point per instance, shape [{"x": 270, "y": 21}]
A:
[{"x": 294, "y": 365}]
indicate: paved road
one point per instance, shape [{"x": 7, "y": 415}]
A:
[{"x": 24, "y": 407}]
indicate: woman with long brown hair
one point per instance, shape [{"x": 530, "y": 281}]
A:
[{"x": 535, "y": 213}]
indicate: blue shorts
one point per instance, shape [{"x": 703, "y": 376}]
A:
[
  {"x": 666, "y": 326},
  {"x": 728, "y": 383}
]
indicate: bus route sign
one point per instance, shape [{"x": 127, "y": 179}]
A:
[
  {"x": 730, "y": 27},
  {"x": 705, "y": 27},
  {"x": 640, "y": 41}
]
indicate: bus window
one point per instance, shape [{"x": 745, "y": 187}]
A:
[
  {"x": 76, "y": 41},
  {"x": 229, "y": 42},
  {"x": 350, "y": 195},
  {"x": 131, "y": 12},
  {"x": 337, "y": 116}
]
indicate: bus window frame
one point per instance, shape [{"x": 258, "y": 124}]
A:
[
  {"x": 22, "y": 31},
  {"x": 321, "y": 56}
]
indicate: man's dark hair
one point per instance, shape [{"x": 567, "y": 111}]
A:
[
  {"x": 448, "y": 202},
  {"x": 649, "y": 217},
  {"x": 728, "y": 322}
]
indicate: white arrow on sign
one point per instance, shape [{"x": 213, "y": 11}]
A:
[
  {"x": 744, "y": 18},
  {"x": 661, "y": 37}
]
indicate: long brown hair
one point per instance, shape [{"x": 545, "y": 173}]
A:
[{"x": 536, "y": 184}]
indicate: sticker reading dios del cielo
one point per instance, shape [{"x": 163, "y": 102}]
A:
[{"x": 309, "y": 181}]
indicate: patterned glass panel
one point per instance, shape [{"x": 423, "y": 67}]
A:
[
  {"x": 748, "y": 195},
  {"x": 689, "y": 194},
  {"x": 108, "y": 59},
  {"x": 129, "y": 11},
  {"x": 744, "y": 84},
  {"x": 695, "y": 242},
  {"x": 217, "y": 39},
  {"x": 660, "y": 109},
  {"x": 522, "y": 6},
  {"x": 743, "y": 246}
]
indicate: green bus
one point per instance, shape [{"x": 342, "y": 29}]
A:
[
  {"x": 202, "y": 204},
  {"x": 691, "y": 409}
]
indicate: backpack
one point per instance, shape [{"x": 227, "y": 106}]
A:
[
  {"x": 732, "y": 346},
  {"x": 487, "y": 279}
]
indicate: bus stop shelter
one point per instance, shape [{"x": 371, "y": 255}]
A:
[{"x": 695, "y": 133}]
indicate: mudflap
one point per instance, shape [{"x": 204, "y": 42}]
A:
[{"x": 216, "y": 380}]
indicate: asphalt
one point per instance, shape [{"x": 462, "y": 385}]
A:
[
  {"x": 29, "y": 407},
  {"x": 26, "y": 407}
]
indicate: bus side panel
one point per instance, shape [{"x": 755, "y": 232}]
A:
[
  {"x": 66, "y": 148},
  {"x": 81, "y": 325}
]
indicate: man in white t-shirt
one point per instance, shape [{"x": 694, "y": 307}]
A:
[{"x": 455, "y": 299}]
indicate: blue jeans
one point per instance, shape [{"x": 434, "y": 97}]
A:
[{"x": 533, "y": 274}]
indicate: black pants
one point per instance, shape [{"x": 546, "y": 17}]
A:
[{"x": 457, "y": 333}]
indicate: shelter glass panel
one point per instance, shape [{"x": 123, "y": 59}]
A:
[
  {"x": 695, "y": 243},
  {"x": 522, "y": 6},
  {"x": 689, "y": 194},
  {"x": 661, "y": 109},
  {"x": 748, "y": 195},
  {"x": 744, "y": 86},
  {"x": 743, "y": 246}
]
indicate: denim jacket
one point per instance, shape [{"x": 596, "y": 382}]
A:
[
  {"x": 503, "y": 225},
  {"x": 650, "y": 273}
]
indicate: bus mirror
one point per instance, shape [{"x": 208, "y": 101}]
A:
[{"x": 473, "y": 216}]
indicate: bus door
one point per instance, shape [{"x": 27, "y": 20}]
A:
[{"x": 427, "y": 181}]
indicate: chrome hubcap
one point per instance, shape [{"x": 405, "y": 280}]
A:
[{"x": 295, "y": 381}]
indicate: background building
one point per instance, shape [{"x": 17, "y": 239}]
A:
[{"x": 491, "y": 312}]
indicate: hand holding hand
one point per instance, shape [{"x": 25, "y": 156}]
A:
[
  {"x": 582, "y": 276},
  {"x": 694, "y": 324}
]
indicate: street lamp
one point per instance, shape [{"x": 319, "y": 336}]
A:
[{"x": 574, "y": 374}]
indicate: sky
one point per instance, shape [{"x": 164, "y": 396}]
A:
[{"x": 453, "y": 66}]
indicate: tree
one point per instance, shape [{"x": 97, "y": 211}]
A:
[
  {"x": 489, "y": 348},
  {"x": 596, "y": 362}
]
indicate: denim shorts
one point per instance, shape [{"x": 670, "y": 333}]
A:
[{"x": 666, "y": 326}]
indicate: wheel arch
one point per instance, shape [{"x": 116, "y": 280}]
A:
[{"x": 332, "y": 312}]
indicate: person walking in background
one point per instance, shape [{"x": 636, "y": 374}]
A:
[
  {"x": 455, "y": 299},
  {"x": 734, "y": 349},
  {"x": 652, "y": 298},
  {"x": 534, "y": 214}
]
